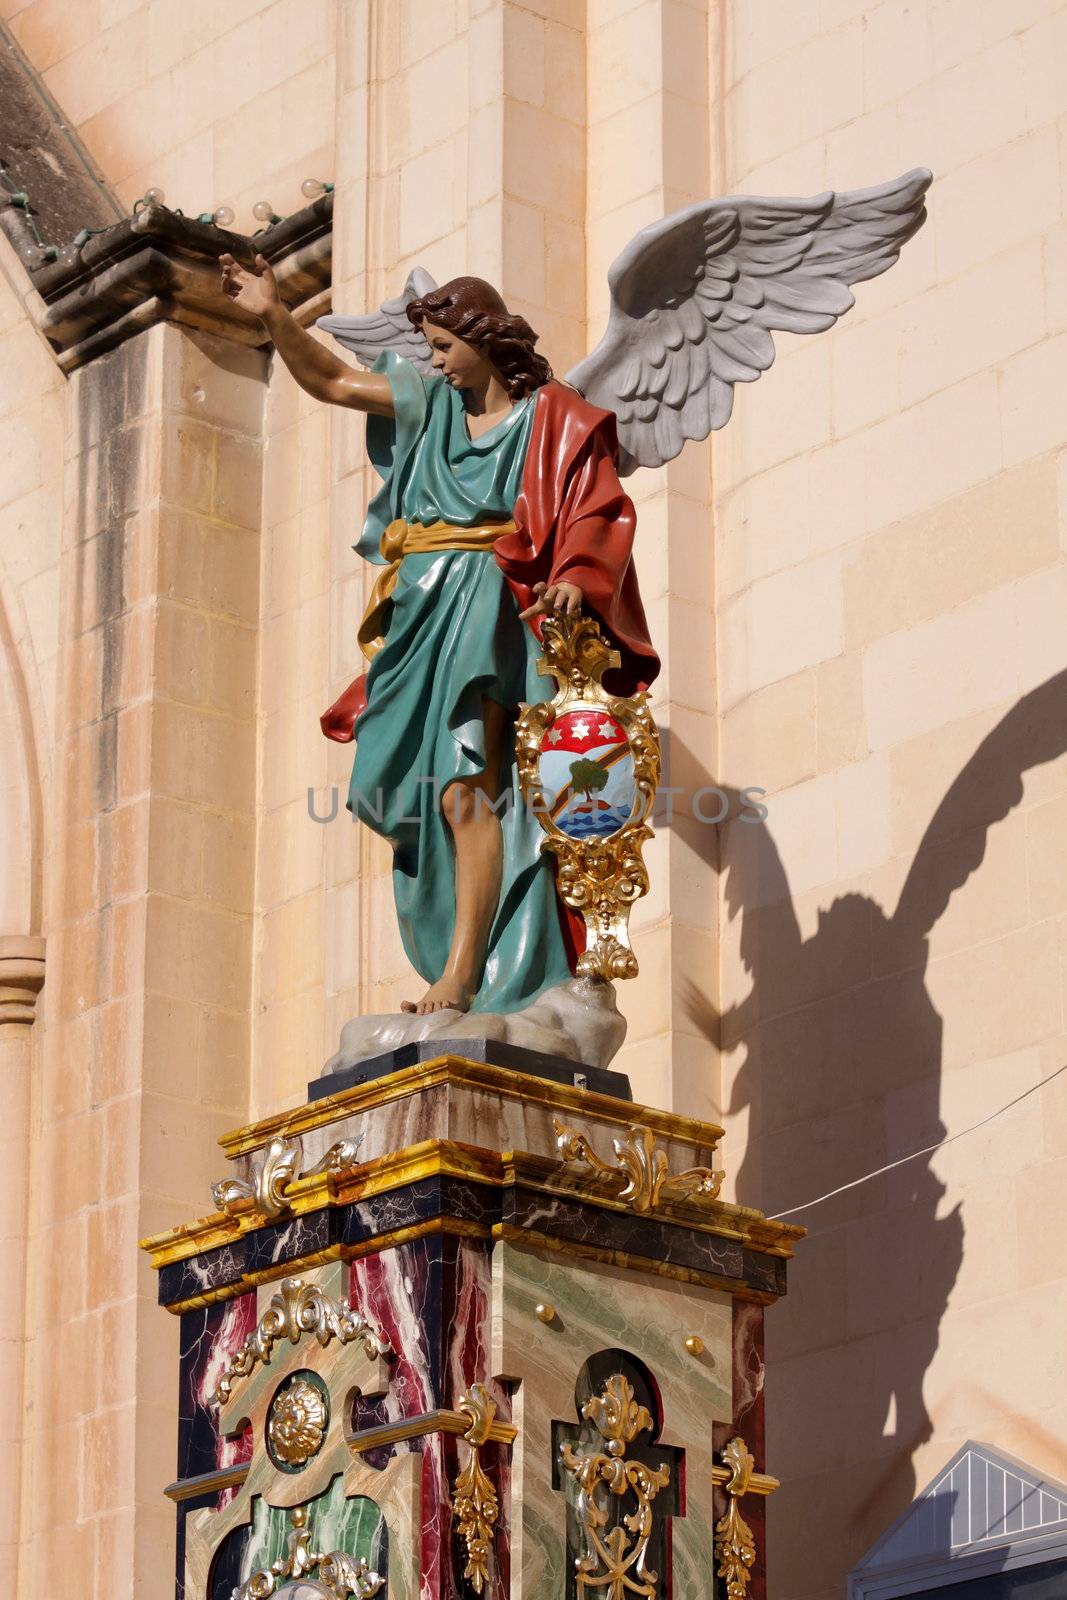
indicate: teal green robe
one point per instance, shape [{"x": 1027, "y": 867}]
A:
[{"x": 453, "y": 636}]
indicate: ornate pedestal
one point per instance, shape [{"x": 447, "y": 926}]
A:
[{"x": 460, "y": 1330}]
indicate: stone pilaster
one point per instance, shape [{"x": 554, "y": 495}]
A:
[
  {"x": 21, "y": 978},
  {"x": 144, "y": 1054}
]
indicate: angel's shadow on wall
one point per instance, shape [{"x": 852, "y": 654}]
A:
[{"x": 839, "y": 1047}]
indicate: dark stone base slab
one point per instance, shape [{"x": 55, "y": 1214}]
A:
[{"x": 491, "y": 1052}]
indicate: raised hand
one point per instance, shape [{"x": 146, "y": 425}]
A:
[
  {"x": 565, "y": 597},
  {"x": 256, "y": 292}
]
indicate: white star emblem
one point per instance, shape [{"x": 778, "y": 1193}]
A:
[
  {"x": 580, "y": 729},
  {"x": 553, "y": 736},
  {"x": 607, "y": 730}
]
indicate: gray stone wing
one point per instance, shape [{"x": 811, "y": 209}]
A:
[
  {"x": 694, "y": 300},
  {"x": 387, "y": 328}
]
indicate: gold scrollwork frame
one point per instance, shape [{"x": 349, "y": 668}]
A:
[
  {"x": 601, "y": 878},
  {"x": 299, "y": 1308},
  {"x": 615, "y": 1563}
]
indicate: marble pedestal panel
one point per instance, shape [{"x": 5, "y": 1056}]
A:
[{"x": 443, "y": 1315}]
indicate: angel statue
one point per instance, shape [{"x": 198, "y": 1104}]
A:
[{"x": 501, "y": 501}]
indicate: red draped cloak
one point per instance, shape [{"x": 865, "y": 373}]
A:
[{"x": 574, "y": 523}]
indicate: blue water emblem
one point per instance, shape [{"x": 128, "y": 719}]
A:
[{"x": 587, "y": 774}]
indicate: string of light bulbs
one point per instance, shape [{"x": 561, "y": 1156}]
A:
[{"x": 35, "y": 251}]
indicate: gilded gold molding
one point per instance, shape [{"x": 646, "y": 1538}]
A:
[
  {"x": 207, "y": 1482},
  {"x": 631, "y": 1261},
  {"x": 530, "y": 1237},
  {"x": 311, "y": 1192},
  {"x": 299, "y": 1308},
  {"x": 339, "y": 1576},
  {"x": 425, "y": 1423},
  {"x": 615, "y": 1564},
  {"x": 442, "y": 1157},
  {"x": 434, "y": 1158},
  {"x": 642, "y": 1164},
  {"x": 322, "y": 1258},
  {"x": 600, "y": 877},
  {"x": 458, "y": 1071}
]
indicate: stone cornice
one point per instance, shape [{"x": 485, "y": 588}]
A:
[
  {"x": 21, "y": 977},
  {"x": 159, "y": 266}
]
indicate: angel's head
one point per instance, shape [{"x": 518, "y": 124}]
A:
[{"x": 470, "y": 332}]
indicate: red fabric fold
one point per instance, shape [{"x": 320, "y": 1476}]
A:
[
  {"x": 338, "y": 722},
  {"x": 574, "y": 523}
]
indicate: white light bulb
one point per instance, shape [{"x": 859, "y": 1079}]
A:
[
  {"x": 154, "y": 197},
  {"x": 223, "y": 216},
  {"x": 311, "y": 188},
  {"x": 263, "y": 211}
]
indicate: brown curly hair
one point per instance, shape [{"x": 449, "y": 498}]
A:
[{"x": 473, "y": 310}]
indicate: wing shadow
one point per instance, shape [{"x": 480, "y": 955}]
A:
[{"x": 835, "y": 1055}]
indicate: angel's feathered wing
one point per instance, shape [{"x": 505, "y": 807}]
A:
[
  {"x": 694, "y": 300},
  {"x": 387, "y": 328}
]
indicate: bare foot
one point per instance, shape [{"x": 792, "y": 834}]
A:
[{"x": 444, "y": 995}]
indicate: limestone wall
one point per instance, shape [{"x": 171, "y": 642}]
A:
[
  {"x": 31, "y": 519},
  {"x": 215, "y": 104},
  {"x": 141, "y": 1043},
  {"x": 649, "y": 94},
  {"x": 892, "y": 596}
]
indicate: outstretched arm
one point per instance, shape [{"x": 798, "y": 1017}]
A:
[{"x": 316, "y": 369}]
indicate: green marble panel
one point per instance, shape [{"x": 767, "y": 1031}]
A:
[
  {"x": 599, "y": 1307},
  {"x": 356, "y": 1526}
]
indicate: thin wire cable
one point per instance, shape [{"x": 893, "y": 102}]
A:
[{"x": 926, "y": 1151}]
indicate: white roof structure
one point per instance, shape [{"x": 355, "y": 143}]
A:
[{"x": 984, "y": 1513}]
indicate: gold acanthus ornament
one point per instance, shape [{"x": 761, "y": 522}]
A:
[
  {"x": 272, "y": 1176},
  {"x": 735, "y": 1547},
  {"x": 474, "y": 1500},
  {"x": 339, "y": 1576},
  {"x": 614, "y": 1564},
  {"x": 299, "y": 1308},
  {"x": 643, "y": 1165},
  {"x": 600, "y": 877}
]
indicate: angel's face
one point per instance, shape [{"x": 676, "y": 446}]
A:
[{"x": 458, "y": 362}]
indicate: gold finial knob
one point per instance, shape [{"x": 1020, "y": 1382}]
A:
[
  {"x": 694, "y": 1344},
  {"x": 545, "y": 1311}
]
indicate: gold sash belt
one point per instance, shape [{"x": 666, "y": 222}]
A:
[{"x": 402, "y": 539}]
